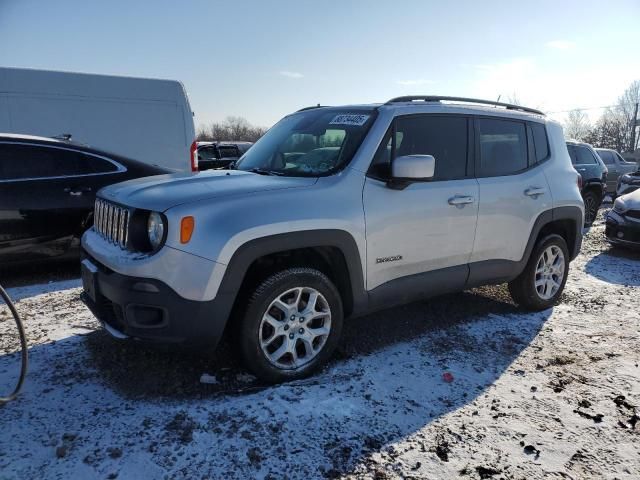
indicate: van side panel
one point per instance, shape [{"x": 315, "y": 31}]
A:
[{"x": 147, "y": 120}]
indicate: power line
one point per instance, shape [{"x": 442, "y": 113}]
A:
[{"x": 592, "y": 108}]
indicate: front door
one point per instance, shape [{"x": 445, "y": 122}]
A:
[{"x": 427, "y": 227}]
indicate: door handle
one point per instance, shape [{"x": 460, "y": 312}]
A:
[
  {"x": 534, "y": 192},
  {"x": 460, "y": 200}
]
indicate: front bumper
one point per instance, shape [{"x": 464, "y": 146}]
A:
[
  {"x": 621, "y": 230},
  {"x": 148, "y": 309}
]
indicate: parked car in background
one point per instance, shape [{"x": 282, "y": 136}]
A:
[
  {"x": 594, "y": 177},
  {"x": 333, "y": 213},
  {"x": 616, "y": 165},
  {"x": 47, "y": 193},
  {"x": 213, "y": 155},
  {"x": 623, "y": 221},
  {"x": 148, "y": 120},
  {"x": 628, "y": 183}
]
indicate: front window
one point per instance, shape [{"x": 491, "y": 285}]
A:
[{"x": 311, "y": 143}]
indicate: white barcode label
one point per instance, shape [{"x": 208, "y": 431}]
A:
[{"x": 350, "y": 119}]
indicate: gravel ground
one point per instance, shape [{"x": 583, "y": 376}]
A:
[{"x": 545, "y": 395}]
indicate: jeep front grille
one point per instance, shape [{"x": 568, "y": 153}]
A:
[{"x": 111, "y": 222}]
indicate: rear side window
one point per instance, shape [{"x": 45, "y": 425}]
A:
[
  {"x": 503, "y": 147},
  {"x": 207, "y": 153},
  {"x": 584, "y": 156},
  {"x": 540, "y": 142},
  {"x": 22, "y": 162},
  {"x": 607, "y": 157},
  {"x": 443, "y": 137}
]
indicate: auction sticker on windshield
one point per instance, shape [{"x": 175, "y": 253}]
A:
[{"x": 350, "y": 119}]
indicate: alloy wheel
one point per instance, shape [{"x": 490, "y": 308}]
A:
[
  {"x": 295, "y": 327},
  {"x": 550, "y": 270}
]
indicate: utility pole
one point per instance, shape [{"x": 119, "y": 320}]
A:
[{"x": 634, "y": 124}]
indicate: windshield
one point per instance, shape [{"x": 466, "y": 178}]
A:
[{"x": 311, "y": 143}]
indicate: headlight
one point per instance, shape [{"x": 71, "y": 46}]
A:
[
  {"x": 155, "y": 229},
  {"x": 619, "y": 205}
]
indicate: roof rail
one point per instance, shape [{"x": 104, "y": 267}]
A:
[{"x": 436, "y": 98}]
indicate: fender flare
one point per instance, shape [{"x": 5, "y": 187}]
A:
[
  {"x": 249, "y": 252},
  {"x": 500, "y": 271}
]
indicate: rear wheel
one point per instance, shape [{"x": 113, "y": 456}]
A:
[
  {"x": 591, "y": 204},
  {"x": 291, "y": 325},
  {"x": 541, "y": 283}
]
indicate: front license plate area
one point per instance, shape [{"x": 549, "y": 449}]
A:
[{"x": 88, "y": 272}]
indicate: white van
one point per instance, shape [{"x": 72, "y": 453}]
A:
[{"x": 144, "y": 119}]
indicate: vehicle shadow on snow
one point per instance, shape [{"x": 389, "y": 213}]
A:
[
  {"x": 138, "y": 370},
  {"x": 616, "y": 265},
  {"x": 385, "y": 384}
]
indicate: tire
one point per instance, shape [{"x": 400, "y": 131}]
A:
[
  {"x": 524, "y": 290},
  {"x": 290, "y": 342},
  {"x": 591, "y": 205}
]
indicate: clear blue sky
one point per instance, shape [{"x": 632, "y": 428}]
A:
[{"x": 263, "y": 59}]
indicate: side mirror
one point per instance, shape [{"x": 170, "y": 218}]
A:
[{"x": 411, "y": 168}]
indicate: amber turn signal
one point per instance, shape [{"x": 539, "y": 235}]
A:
[{"x": 187, "y": 226}]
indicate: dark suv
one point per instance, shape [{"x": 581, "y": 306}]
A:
[
  {"x": 213, "y": 155},
  {"x": 594, "y": 177}
]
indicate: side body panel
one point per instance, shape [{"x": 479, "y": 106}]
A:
[
  {"x": 144, "y": 119},
  {"x": 416, "y": 230}
]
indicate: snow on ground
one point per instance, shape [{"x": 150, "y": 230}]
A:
[{"x": 544, "y": 395}]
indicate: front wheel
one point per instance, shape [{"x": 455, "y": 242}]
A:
[
  {"x": 291, "y": 325},
  {"x": 541, "y": 283}
]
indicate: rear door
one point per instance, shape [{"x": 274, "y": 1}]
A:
[
  {"x": 609, "y": 159},
  {"x": 513, "y": 191},
  {"x": 46, "y": 197},
  {"x": 422, "y": 228}
]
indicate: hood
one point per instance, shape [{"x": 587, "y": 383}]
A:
[
  {"x": 631, "y": 200},
  {"x": 159, "y": 193}
]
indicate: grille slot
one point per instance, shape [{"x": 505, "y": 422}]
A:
[
  {"x": 111, "y": 222},
  {"x": 633, "y": 214}
]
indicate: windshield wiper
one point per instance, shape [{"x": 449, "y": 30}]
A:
[{"x": 262, "y": 171}]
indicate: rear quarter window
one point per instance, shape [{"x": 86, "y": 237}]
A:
[
  {"x": 540, "y": 141},
  {"x": 607, "y": 157}
]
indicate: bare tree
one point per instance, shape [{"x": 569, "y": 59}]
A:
[
  {"x": 513, "y": 99},
  {"x": 627, "y": 108},
  {"x": 610, "y": 131},
  {"x": 577, "y": 125},
  {"x": 232, "y": 129}
]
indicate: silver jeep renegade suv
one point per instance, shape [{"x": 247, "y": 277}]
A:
[{"x": 336, "y": 212}]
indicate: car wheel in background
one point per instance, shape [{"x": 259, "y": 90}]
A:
[{"x": 591, "y": 205}]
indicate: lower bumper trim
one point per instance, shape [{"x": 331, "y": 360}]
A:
[{"x": 127, "y": 312}]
